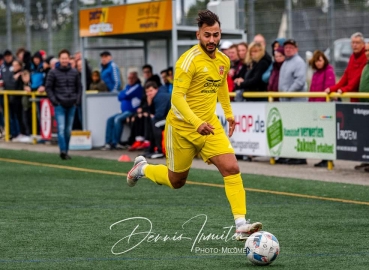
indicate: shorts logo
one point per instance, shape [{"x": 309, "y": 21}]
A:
[{"x": 221, "y": 70}]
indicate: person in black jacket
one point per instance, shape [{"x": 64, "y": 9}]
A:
[
  {"x": 159, "y": 106},
  {"x": 258, "y": 63},
  {"x": 64, "y": 89}
]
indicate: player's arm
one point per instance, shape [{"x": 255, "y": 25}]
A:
[
  {"x": 223, "y": 97},
  {"x": 181, "y": 85}
]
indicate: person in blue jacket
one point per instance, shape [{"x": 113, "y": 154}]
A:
[
  {"x": 110, "y": 73},
  {"x": 37, "y": 73},
  {"x": 130, "y": 99}
]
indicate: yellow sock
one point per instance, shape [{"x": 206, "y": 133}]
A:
[
  {"x": 158, "y": 174},
  {"x": 236, "y": 195}
]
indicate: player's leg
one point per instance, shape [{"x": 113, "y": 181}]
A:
[
  {"x": 179, "y": 155},
  {"x": 235, "y": 192}
]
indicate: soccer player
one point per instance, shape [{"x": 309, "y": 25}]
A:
[{"x": 192, "y": 126}]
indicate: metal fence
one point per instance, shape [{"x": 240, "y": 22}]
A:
[{"x": 53, "y": 24}]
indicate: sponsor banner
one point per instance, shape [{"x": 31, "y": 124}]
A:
[
  {"x": 126, "y": 19},
  {"x": 352, "y": 131},
  {"x": 301, "y": 130},
  {"x": 46, "y": 115},
  {"x": 249, "y": 135}
]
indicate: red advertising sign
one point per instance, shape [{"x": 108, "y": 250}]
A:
[{"x": 47, "y": 113}]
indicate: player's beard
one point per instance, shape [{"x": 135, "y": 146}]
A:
[{"x": 205, "y": 47}]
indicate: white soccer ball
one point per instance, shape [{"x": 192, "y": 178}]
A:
[{"x": 262, "y": 248}]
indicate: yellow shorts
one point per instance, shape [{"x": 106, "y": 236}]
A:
[{"x": 182, "y": 146}]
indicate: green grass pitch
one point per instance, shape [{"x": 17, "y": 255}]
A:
[{"x": 56, "y": 218}]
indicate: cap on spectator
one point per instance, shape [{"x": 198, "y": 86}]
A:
[
  {"x": 105, "y": 53},
  {"x": 48, "y": 59},
  {"x": 43, "y": 53},
  {"x": 7, "y": 52},
  {"x": 280, "y": 49},
  {"x": 291, "y": 42},
  {"x": 226, "y": 44}
]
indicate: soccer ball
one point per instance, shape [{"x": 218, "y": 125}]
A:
[{"x": 262, "y": 248}]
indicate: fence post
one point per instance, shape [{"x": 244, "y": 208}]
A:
[
  {"x": 27, "y": 5},
  {"x": 272, "y": 159},
  {"x": 6, "y": 116},
  {"x": 34, "y": 117}
]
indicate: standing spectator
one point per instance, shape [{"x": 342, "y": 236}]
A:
[
  {"x": 78, "y": 58},
  {"x": 24, "y": 57},
  {"x": 258, "y": 63},
  {"x": 47, "y": 67},
  {"x": 9, "y": 84},
  {"x": 64, "y": 90},
  {"x": 323, "y": 78},
  {"x": 260, "y": 39},
  {"x": 88, "y": 74},
  {"x": 159, "y": 106},
  {"x": 364, "y": 88},
  {"x": 130, "y": 98},
  {"x": 241, "y": 66},
  {"x": 233, "y": 56},
  {"x": 97, "y": 83},
  {"x": 224, "y": 46},
  {"x": 15, "y": 102},
  {"x": 110, "y": 73},
  {"x": 279, "y": 58},
  {"x": 43, "y": 54},
  {"x": 167, "y": 87},
  {"x": 277, "y": 43},
  {"x": 351, "y": 77},
  {"x": 37, "y": 73},
  {"x": 53, "y": 62},
  {"x": 292, "y": 78},
  {"x": 149, "y": 76}
]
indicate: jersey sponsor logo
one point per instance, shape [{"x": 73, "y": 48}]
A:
[
  {"x": 205, "y": 69},
  {"x": 211, "y": 86},
  {"x": 221, "y": 70}
]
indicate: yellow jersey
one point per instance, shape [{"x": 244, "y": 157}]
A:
[{"x": 198, "y": 82}]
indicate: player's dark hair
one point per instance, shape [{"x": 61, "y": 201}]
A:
[
  {"x": 147, "y": 66},
  {"x": 151, "y": 84},
  {"x": 64, "y": 51},
  {"x": 207, "y": 17}
]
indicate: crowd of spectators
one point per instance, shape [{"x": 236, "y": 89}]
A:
[{"x": 144, "y": 104}]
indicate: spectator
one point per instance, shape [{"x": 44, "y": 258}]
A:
[
  {"x": 233, "y": 56},
  {"x": 351, "y": 77},
  {"x": 149, "y": 76},
  {"x": 323, "y": 78},
  {"x": 159, "y": 106},
  {"x": 64, "y": 90},
  {"x": 292, "y": 78},
  {"x": 25, "y": 58},
  {"x": 53, "y": 62},
  {"x": 43, "y": 54},
  {"x": 279, "y": 58},
  {"x": 110, "y": 73},
  {"x": 37, "y": 73},
  {"x": 15, "y": 102},
  {"x": 241, "y": 66},
  {"x": 26, "y": 104},
  {"x": 88, "y": 74},
  {"x": 97, "y": 83},
  {"x": 258, "y": 63},
  {"x": 9, "y": 84},
  {"x": 47, "y": 67},
  {"x": 167, "y": 87},
  {"x": 224, "y": 46},
  {"x": 130, "y": 99},
  {"x": 72, "y": 62},
  {"x": 277, "y": 43},
  {"x": 364, "y": 88},
  {"x": 260, "y": 39},
  {"x": 77, "y": 58}
]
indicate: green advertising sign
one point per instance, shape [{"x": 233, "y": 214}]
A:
[{"x": 301, "y": 130}]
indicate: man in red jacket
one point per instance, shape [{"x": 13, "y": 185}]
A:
[{"x": 351, "y": 77}]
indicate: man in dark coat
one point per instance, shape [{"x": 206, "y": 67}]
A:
[{"x": 64, "y": 89}]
